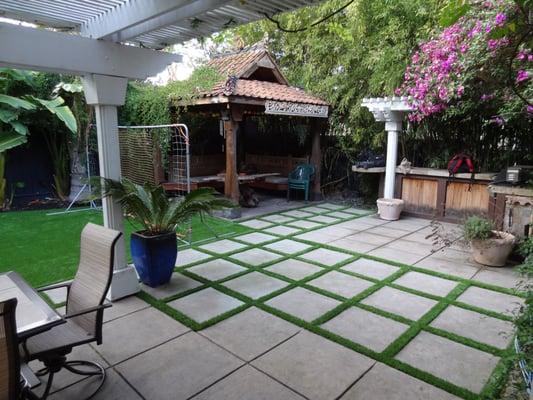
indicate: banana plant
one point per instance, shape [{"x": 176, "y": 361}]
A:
[{"x": 15, "y": 109}]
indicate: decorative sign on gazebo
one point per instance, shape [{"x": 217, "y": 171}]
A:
[{"x": 297, "y": 109}]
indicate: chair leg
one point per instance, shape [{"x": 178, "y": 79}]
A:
[{"x": 94, "y": 369}]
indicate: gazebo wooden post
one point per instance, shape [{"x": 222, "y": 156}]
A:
[
  {"x": 231, "y": 127},
  {"x": 316, "y": 155}
]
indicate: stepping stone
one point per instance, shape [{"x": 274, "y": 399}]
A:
[
  {"x": 355, "y": 211},
  {"x": 256, "y": 257},
  {"x": 313, "y": 366},
  {"x": 216, "y": 269},
  {"x": 372, "y": 220},
  {"x": 315, "y": 210},
  {"x": 331, "y": 206},
  {"x": 342, "y": 284},
  {"x": 256, "y": 224},
  {"x": 387, "y": 231},
  {"x": 386, "y": 383},
  {"x": 206, "y": 304},
  {"x": 324, "y": 219},
  {"x": 303, "y": 224},
  {"x": 326, "y": 257},
  {"x": 399, "y": 302},
  {"x": 353, "y": 245},
  {"x": 303, "y": 303},
  {"x": 250, "y": 333},
  {"x": 461, "y": 365},
  {"x": 422, "y": 249},
  {"x": 58, "y": 295},
  {"x": 475, "y": 326},
  {"x": 335, "y": 231},
  {"x": 371, "y": 268},
  {"x": 178, "y": 284},
  {"x": 190, "y": 256},
  {"x": 316, "y": 237},
  {"x": 256, "y": 238},
  {"x": 426, "y": 283},
  {"x": 114, "y": 387},
  {"x": 490, "y": 300},
  {"x": 122, "y": 307},
  {"x": 368, "y": 329},
  {"x": 294, "y": 269},
  {"x": 370, "y": 238},
  {"x": 255, "y": 284},
  {"x": 277, "y": 218},
  {"x": 179, "y": 368},
  {"x": 340, "y": 214},
  {"x": 247, "y": 383},
  {"x": 288, "y": 246},
  {"x": 509, "y": 278},
  {"x": 223, "y": 246},
  {"x": 282, "y": 230},
  {"x": 297, "y": 214},
  {"x": 393, "y": 254},
  {"x": 448, "y": 267},
  {"x": 134, "y": 333}
]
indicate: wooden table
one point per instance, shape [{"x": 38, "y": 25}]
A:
[{"x": 33, "y": 314}]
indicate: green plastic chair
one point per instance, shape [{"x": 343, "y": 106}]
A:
[{"x": 300, "y": 179}]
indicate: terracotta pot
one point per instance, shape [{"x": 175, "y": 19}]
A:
[
  {"x": 493, "y": 251},
  {"x": 390, "y": 209}
]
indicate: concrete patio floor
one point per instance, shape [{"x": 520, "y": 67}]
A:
[{"x": 348, "y": 307}]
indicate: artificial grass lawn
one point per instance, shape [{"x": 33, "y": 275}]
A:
[
  {"x": 44, "y": 248},
  {"x": 492, "y": 387}
]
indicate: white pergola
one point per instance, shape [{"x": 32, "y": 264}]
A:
[
  {"x": 391, "y": 110},
  {"x": 107, "y": 42}
]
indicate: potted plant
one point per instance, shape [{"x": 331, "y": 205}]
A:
[
  {"x": 154, "y": 248},
  {"x": 390, "y": 209},
  {"x": 489, "y": 247}
]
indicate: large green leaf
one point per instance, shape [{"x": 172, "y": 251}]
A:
[
  {"x": 18, "y": 75},
  {"x": 56, "y": 107},
  {"x": 19, "y": 127},
  {"x": 16, "y": 102},
  {"x": 10, "y": 140},
  {"x": 7, "y": 115}
]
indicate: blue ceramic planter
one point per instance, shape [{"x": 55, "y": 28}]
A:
[{"x": 154, "y": 257}]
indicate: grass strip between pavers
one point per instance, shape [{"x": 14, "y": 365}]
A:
[{"x": 490, "y": 390}]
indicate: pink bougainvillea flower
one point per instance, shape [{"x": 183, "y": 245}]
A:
[
  {"x": 497, "y": 120},
  {"x": 522, "y": 76},
  {"x": 500, "y": 19},
  {"x": 529, "y": 109},
  {"x": 460, "y": 90},
  {"x": 487, "y": 97}
]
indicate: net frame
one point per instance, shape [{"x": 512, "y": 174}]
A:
[{"x": 178, "y": 161}]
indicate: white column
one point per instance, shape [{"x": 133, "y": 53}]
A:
[
  {"x": 106, "y": 93},
  {"x": 393, "y": 128}
]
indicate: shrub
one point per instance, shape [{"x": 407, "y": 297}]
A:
[{"x": 477, "y": 228}]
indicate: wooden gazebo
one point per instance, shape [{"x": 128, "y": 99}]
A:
[{"x": 254, "y": 85}]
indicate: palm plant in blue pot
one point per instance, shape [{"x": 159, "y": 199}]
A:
[{"x": 154, "y": 248}]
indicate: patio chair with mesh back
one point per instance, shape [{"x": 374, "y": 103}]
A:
[
  {"x": 84, "y": 310},
  {"x": 300, "y": 179}
]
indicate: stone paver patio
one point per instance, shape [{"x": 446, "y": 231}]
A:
[{"x": 323, "y": 302}]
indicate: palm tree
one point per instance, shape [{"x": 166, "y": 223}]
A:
[{"x": 158, "y": 214}]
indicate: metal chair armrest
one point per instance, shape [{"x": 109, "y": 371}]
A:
[
  {"x": 55, "y": 286},
  {"x": 89, "y": 310}
]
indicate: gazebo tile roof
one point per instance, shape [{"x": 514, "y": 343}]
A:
[{"x": 264, "y": 90}]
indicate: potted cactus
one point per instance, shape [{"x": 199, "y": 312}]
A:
[{"x": 154, "y": 247}]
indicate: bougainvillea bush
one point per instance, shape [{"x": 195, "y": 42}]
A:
[{"x": 486, "y": 53}]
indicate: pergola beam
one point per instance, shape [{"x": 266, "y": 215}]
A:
[
  {"x": 169, "y": 18},
  {"x": 129, "y": 15},
  {"x": 42, "y": 50}
]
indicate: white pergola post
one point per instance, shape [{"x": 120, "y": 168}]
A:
[
  {"x": 106, "y": 93},
  {"x": 391, "y": 111}
]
